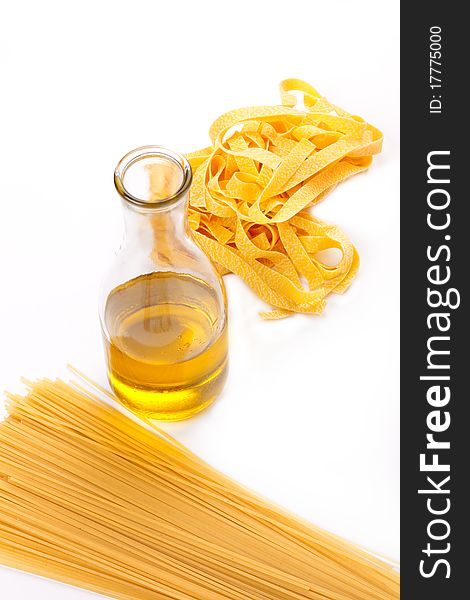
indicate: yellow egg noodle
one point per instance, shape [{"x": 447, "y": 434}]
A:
[
  {"x": 252, "y": 187},
  {"x": 92, "y": 498}
]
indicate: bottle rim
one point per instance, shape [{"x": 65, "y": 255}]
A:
[{"x": 161, "y": 152}]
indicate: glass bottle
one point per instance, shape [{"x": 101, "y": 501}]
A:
[{"x": 163, "y": 306}]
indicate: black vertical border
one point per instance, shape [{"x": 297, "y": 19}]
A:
[{"x": 422, "y": 132}]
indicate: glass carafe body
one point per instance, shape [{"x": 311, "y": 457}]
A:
[{"x": 163, "y": 304}]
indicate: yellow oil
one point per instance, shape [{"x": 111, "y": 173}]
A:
[{"x": 166, "y": 347}]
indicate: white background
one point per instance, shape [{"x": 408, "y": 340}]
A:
[{"x": 309, "y": 416}]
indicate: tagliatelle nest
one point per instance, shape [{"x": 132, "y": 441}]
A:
[{"x": 252, "y": 188}]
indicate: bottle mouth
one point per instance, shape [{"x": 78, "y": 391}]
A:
[{"x": 152, "y": 177}]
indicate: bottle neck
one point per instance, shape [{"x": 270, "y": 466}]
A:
[
  {"x": 173, "y": 218},
  {"x": 160, "y": 234},
  {"x": 153, "y": 183}
]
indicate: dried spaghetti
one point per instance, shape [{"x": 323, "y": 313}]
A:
[
  {"x": 91, "y": 498},
  {"x": 266, "y": 165}
]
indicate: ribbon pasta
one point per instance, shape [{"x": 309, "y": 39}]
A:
[{"x": 254, "y": 185}]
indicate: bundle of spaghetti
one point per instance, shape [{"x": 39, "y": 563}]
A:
[
  {"x": 266, "y": 165},
  {"x": 92, "y": 498}
]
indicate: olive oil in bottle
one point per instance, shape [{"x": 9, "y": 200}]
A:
[
  {"x": 166, "y": 348},
  {"x": 163, "y": 306}
]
